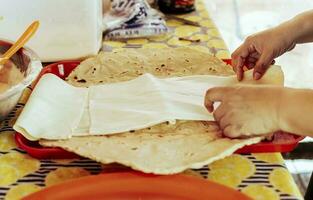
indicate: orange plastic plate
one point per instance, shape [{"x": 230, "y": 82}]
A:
[{"x": 138, "y": 186}]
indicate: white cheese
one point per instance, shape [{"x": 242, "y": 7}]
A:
[{"x": 57, "y": 110}]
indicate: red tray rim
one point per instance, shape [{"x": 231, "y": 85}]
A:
[{"x": 55, "y": 152}]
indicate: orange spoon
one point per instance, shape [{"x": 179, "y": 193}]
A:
[{"x": 30, "y": 31}]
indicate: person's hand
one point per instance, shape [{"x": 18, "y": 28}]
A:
[
  {"x": 246, "y": 110},
  {"x": 259, "y": 51}
]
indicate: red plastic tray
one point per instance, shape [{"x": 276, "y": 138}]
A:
[{"x": 63, "y": 69}]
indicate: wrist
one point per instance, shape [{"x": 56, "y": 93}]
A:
[
  {"x": 294, "y": 114},
  {"x": 287, "y": 37},
  {"x": 300, "y": 27}
]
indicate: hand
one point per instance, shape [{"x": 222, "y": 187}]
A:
[
  {"x": 259, "y": 51},
  {"x": 246, "y": 110}
]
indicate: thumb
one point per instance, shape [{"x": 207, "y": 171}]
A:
[
  {"x": 213, "y": 95},
  {"x": 262, "y": 65}
]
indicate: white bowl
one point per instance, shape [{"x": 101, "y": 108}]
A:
[{"x": 29, "y": 64}]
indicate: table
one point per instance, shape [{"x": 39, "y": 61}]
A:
[{"x": 261, "y": 176}]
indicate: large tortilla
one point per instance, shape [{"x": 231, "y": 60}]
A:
[
  {"x": 125, "y": 65},
  {"x": 164, "y": 148}
]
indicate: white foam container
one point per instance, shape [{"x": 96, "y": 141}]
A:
[{"x": 69, "y": 29}]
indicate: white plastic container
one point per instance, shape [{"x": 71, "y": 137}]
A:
[{"x": 69, "y": 29}]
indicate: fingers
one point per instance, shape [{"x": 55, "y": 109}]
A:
[
  {"x": 250, "y": 63},
  {"x": 231, "y": 131},
  {"x": 262, "y": 65},
  {"x": 238, "y": 59},
  {"x": 214, "y": 94},
  {"x": 255, "y": 55},
  {"x": 224, "y": 122},
  {"x": 239, "y": 71},
  {"x": 219, "y": 112},
  {"x": 227, "y": 125},
  {"x": 252, "y": 59}
]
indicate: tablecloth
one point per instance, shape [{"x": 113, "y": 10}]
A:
[{"x": 261, "y": 176}]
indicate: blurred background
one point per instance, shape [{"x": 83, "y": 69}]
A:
[{"x": 237, "y": 19}]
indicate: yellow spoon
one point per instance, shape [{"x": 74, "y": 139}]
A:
[{"x": 19, "y": 43}]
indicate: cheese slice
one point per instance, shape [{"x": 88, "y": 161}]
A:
[
  {"x": 146, "y": 101},
  {"x": 53, "y": 109},
  {"x": 57, "y": 110}
]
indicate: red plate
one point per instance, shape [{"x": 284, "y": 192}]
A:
[
  {"x": 135, "y": 186},
  {"x": 62, "y": 69}
]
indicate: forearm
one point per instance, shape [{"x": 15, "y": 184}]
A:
[
  {"x": 296, "y": 111},
  {"x": 299, "y": 28}
]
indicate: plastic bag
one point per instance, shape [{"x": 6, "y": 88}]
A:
[{"x": 133, "y": 19}]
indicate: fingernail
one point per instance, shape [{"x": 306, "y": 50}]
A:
[
  {"x": 208, "y": 106},
  {"x": 257, "y": 75},
  {"x": 238, "y": 77}
]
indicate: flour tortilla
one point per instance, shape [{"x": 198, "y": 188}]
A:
[
  {"x": 164, "y": 148},
  {"x": 128, "y": 64},
  {"x": 183, "y": 146}
]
